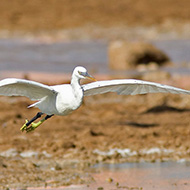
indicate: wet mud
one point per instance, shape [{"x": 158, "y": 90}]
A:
[{"x": 106, "y": 129}]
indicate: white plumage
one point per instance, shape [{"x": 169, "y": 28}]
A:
[
  {"x": 63, "y": 99},
  {"x": 129, "y": 87}
]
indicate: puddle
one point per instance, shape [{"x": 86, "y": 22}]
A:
[
  {"x": 165, "y": 175},
  {"x": 137, "y": 176}
]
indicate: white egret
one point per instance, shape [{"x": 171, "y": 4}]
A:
[{"x": 65, "y": 98}]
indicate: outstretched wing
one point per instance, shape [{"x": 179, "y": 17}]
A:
[
  {"x": 129, "y": 87},
  {"x": 21, "y": 87}
]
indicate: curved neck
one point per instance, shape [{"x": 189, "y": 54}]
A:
[{"x": 75, "y": 83}]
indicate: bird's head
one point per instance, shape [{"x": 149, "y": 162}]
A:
[{"x": 81, "y": 73}]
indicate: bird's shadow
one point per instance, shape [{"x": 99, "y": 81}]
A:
[
  {"x": 156, "y": 109},
  {"x": 140, "y": 125},
  {"x": 165, "y": 108}
]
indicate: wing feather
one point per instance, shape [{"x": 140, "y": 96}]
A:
[
  {"x": 22, "y": 87},
  {"x": 129, "y": 87}
]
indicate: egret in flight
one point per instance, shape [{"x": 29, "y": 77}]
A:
[{"x": 65, "y": 98}]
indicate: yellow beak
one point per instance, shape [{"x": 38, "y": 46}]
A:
[{"x": 91, "y": 77}]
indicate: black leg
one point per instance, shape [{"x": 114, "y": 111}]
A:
[
  {"x": 48, "y": 116},
  {"x": 33, "y": 126},
  {"x": 38, "y": 115}
]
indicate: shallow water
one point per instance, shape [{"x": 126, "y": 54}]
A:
[
  {"x": 27, "y": 56},
  {"x": 165, "y": 175},
  {"x": 138, "y": 176},
  {"x": 178, "y": 52},
  {"x": 18, "y": 55}
]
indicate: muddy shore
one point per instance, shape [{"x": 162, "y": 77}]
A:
[{"x": 107, "y": 128}]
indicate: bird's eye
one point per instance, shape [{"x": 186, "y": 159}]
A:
[{"x": 82, "y": 73}]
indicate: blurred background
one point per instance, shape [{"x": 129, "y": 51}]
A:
[
  {"x": 43, "y": 40},
  {"x": 55, "y": 36}
]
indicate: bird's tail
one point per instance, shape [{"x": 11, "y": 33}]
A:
[{"x": 38, "y": 102}]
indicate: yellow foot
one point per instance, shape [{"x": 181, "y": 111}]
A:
[
  {"x": 33, "y": 126},
  {"x": 24, "y": 127}
]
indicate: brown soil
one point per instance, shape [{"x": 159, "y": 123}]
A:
[
  {"x": 41, "y": 15},
  {"x": 61, "y": 151},
  {"x": 63, "y": 147}
]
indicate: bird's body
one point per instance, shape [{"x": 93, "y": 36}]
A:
[{"x": 65, "y": 98}]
